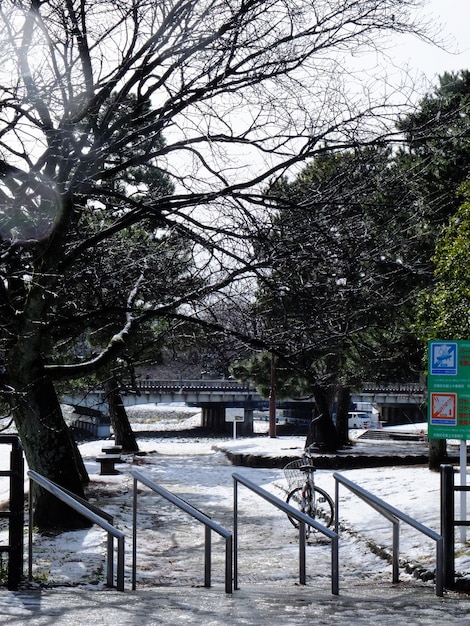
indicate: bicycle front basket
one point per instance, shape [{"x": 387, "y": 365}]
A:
[{"x": 294, "y": 476}]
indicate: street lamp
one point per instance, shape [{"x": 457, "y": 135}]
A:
[{"x": 272, "y": 399}]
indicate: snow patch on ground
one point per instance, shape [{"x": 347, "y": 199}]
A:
[{"x": 170, "y": 546}]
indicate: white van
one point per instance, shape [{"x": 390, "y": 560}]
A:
[{"x": 356, "y": 419}]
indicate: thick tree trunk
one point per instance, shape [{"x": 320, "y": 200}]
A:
[
  {"x": 322, "y": 432},
  {"x": 342, "y": 409},
  {"x": 123, "y": 434},
  {"x": 46, "y": 440},
  {"x": 437, "y": 453}
]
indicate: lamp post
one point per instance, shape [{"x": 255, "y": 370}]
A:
[{"x": 272, "y": 398}]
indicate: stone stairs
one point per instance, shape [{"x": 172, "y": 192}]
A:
[{"x": 382, "y": 434}]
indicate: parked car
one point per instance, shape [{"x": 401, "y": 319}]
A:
[{"x": 356, "y": 419}]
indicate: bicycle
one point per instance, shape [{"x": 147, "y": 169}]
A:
[{"x": 305, "y": 495}]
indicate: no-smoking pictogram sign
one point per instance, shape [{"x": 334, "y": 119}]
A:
[
  {"x": 449, "y": 389},
  {"x": 443, "y": 407}
]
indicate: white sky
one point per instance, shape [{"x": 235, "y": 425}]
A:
[{"x": 454, "y": 18}]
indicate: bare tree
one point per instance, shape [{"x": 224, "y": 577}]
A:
[{"x": 239, "y": 89}]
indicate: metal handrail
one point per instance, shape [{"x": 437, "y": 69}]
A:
[
  {"x": 303, "y": 521},
  {"x": 196, "y": 514},
  {"x": 92, "y": 513},
  {"x": 394, "y": 515}
]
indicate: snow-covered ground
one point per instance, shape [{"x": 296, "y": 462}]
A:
[{"x": 170, "y": 546}]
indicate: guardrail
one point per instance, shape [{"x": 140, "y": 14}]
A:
[
  {"x": 91, "y": 512},
  {"x": 394, "y": 515},
  {"x": 303, "y": 521},
  {"x": 196, "y": 514}
]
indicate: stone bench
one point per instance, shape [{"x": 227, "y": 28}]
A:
[
  {"x": 112, "y": 449},
  {"x": 107, "y": 463}
]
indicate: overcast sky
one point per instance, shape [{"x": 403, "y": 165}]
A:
[{"x": 454, "y": 17}]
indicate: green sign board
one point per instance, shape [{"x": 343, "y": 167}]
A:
[{"x": 449, "y": 389}]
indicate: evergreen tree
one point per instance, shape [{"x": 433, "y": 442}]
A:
[
  {"x": 445, "y": 309},
  {"x": 435, "y": 161},
  {"x": 338, "y": 298}
]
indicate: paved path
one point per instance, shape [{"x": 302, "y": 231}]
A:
[{"x": 384, "y": 604}]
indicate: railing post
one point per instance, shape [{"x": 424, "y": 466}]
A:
[
  {"x": 207, "y": 558},
  {"x": 30, "y": 531},
  {"x": 302, "y": 555},
  {"x": 440, "y": 567},
  {"x": 134, "y": 536},
  {"x": 336, "y": 506},
  {"x": 235, "y": 533},
  {"x": 335, "y": 547},
  {"x": 110, "y": 563},
  {"x": 120, "y": 564},
  {"x": 335, "y": 566},
  {"x": 228, "y": 565},
  {"x": 16, "y": 522},
  {"x": 447, "y": 523},
  {"x": 396, "y": 551}
]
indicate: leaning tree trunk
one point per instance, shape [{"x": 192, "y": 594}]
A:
[
  {"x": 46, "y": 439},
  {"x": 123, "y": 434}
]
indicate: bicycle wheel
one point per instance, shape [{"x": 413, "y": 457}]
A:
[
  {"x": 320, "y": 507},
  {"x": 297, "y": 500},
  {"x": 323, "y": 507}
]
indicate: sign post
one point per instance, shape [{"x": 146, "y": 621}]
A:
[
  {"x": 234, "y": 419},
  {"x": 449, "y": 402}
]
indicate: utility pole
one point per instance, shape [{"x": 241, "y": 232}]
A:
[{"x": 272, "y": 398}]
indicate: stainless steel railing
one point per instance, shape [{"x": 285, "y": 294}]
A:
[
  {"x": 209, "y": 525},
  {"x": 394, "y": 515},
  {"x": 92, "y": 513},
  {"x": 296, "y": 514}
]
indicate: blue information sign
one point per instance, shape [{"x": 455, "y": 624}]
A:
[{"x": 449, "y": 389}]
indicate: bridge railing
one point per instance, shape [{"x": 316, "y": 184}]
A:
[
  {"x": 393, "y": 388},
  {"x": 234, "y": 384},
  {"x": 177, "y": 385}
]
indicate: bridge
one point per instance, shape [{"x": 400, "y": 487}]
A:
[
  {"x": 191, "y": 392},
  {"x": 397, "y": 403}
]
